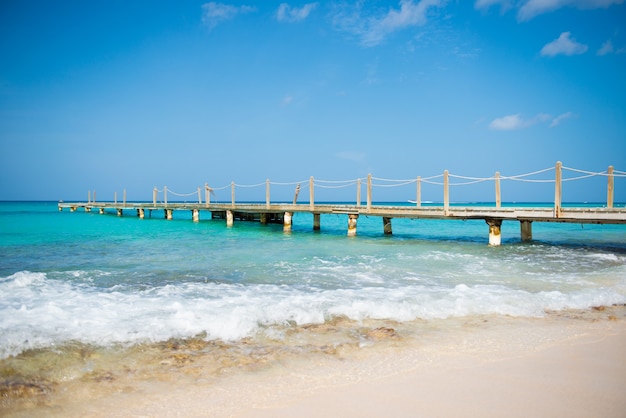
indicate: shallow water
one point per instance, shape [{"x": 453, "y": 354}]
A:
[{"x": 102, "y": 299}]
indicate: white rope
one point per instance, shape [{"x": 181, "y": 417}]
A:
[
  {"x": 337, "y": 187},
  {"x": 290, "y": 183},
  {"x": 517, "y": 177},
  {"x": 394, "y": 185},
  {"x": 469, "y": 182},
  {"x": 476, "y": 179},
  {"x": 353, "y": 181},
  {"x": 249, "y": 185},
  {"x": 602, "y": 173},
  {"x": 396, "y": 181},
  {"x": 580, "y": 177},
  {"x": 182, "y": 195}
]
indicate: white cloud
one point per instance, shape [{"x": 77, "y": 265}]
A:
[
  {"x": 515, "y": 122},
  {"x": 532, "y": 8},
  {"x": 286, "y": 13},
  {"x": 563, "y": 45},
  {"x": 356, "y": 156},
  {"x": 560, "y": 118},
  {"x": 214, "y": 13},
  {"x": 373, "y": 30},
  {"x": 607, "y": 48},
  {"x": 287, "y": 100},
  {"x": 486, "y": 4}
]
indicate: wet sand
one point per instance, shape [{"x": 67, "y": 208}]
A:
[{"x": 564, "y": 365}]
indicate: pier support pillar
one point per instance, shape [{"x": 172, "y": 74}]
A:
[
  {"x": 526, "y": 230},
  {"x": 229, "y": 218},
  {"x": 263, "y": 218},
  {"x": 287, "y": 222},
  {"x": 101, "y": 211},
  {"x": 352, "y": 224},
  {"x": 195, "y": 215},
  {"x": 316, "y": 222},
  {"x": 141, "y": 213},
  {"x": 495, "y": 237},
  {"x": 87, "y": 209},
  {"x": 72, "y": 208},
  {"x": 387, "y": 226},
  {"x": 120, "y": 212},
  {"x": 168, "y": 214}
]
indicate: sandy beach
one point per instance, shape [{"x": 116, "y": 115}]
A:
[{"x": 571, "y": 365}]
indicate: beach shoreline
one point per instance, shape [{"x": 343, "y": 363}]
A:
[{"x": 561, "y": 365}]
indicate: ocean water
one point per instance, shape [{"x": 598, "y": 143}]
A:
[{"x": 81, "y": 292}]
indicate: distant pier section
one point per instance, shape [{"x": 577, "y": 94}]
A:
[{"x": 280, "y": 212}]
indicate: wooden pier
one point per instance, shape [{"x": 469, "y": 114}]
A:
[{"x": 269, "y": 212}]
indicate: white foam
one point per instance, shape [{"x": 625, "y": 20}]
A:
[{"x": 37, "y": 311}]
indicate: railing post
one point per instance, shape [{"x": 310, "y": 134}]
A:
[
  {"x": 154, "y": 196},
  {"x": 369, "y": 192},
  {"x": 498, "y": 200},
  {"x": 610, "y": 188},
  {"x": 165, "y": 195},
  {"x": 207, "y": 194},
  {"x": 115, "y": 197},
  {"x": 232, "y": 193},
  {"x": 446, "y": 194},
  {"x": 89, "y": 196},
  {"x": 267, "y": 193},
  {"x": 358, "y": 192},
  {"x": 311, "y": 193},
  {"x": 418, "y": 202},
  {"x": 199, "y": 196},
  {"x": 124, "y": 197},
  {"x": 558, "y": 189},
  {"x": 94, "y": 196}
]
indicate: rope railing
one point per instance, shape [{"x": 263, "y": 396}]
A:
[{"x": 381, "y": 183}]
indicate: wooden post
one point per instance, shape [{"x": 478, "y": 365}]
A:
[
  {"x": 352, "y": 224},
  {"x": 119, "y": 212},
  {"x": 526, "y": 230},
  {"x": 229, "y": 218},
  {"x": 154, "y": 196},
  {"x": 89, "y": 196},
  {"x": 369, "y": 193},
  {"x": 207, "y": 194},
  {"x": 263, "y": 218},
  {"x": 124, "y": 197},
  {"x": 296, "y": 193},
  {"x": 101, "y": 211},
  {"x": 358, "y": 192},
  {"x": 232, "y": 193},
  {"x": 418, "y": 201},
  {"x": 267, "y": 193},
  {"x": 495, "y": 236},
  {"x": 446, "y": 193},
  {"x": 316, "y": 222},
  {"x": 387, "y": 226},
  {"x": 169, "y": 214},
  {"x": 115, "y": 198},
  {"x": 557, "y": 189},
  {"x": 199, "y": 197},
  {"x": 165, "y": 195},
  {"x": 498, "y": 201},
  {"x": 610, "y": 188},
  {"x": 195, "y": 214},
  {"x": 287, "y": 222},
  {"x": 311, "y": 195},
  {"x": 94, "y": 196},
  {"x": 141, "y": 213}
]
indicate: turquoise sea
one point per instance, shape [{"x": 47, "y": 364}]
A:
[{"x": 84, "y": 282}]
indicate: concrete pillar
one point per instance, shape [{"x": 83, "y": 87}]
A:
[
  {"x": 101, "y": 211},
  {"x": 495, "y": 237},
  {"x": 119, "y": 212},
  {"x": 229, "y": 218},
  {"x": 526, "y": 230},
  {"x": 287, "y": 222},
  {"x": 168, "y": 214},
  {"x": 72, "y": 208},
  {"x": 387, "y": 225},
  {"x": 263, "y": 218},
  {"x": 195, "y": 215},
  {"x": 87, "y": 209},
  {"x": 352, "y": 224},
  {"x": 316, "y": 222},
  {"x": 141, "y": 213}
]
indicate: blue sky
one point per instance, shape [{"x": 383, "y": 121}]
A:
[{"x": 113, "y": 95}]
